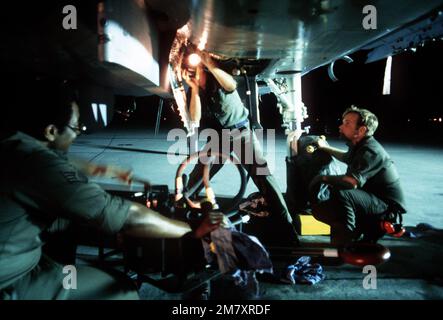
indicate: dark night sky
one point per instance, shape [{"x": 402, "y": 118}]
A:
[{"x": 416, "y": 94}]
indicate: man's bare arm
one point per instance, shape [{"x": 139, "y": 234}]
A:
[
  {"x": 225, "y": 80},
  {"x": 195, "y": 106},
  {"x": 195, "y": 102},
  {"x": 336, "y": 153},
  {"x": 144, "y": 222},
  {"x": 103, "y": 170}
]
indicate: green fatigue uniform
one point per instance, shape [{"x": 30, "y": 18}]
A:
[
  {"x": 348, "y": 212},
  {"x": 37, "y": 186},
  {"x": 225, "y": 110}
]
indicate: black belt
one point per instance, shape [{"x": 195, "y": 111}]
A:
[{"x": 240, "y": 125}]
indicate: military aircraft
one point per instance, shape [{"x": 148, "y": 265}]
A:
[{"x": 136, "y": 48}]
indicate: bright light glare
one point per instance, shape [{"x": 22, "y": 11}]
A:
[
  {"x": 194, "y": 60},
  {"x": 387, "y": 79}
]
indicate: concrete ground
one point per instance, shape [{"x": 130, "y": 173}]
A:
[{"x": 415, "y": 268}]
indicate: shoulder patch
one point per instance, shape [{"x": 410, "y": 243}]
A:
[{"x": 74, "y": 176}]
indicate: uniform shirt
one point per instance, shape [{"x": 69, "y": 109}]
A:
[
  {"x": 37, "y": 186},
  {"x": 375, "y": 172},
  {"x": 226, "y": 108}
]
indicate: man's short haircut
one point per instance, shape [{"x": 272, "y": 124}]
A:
[
  {"x": 366, "y": 118},
  {"x": 35, "y": 104}
]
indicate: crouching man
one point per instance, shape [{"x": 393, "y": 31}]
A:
[{"x": 368, "y": 192}]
